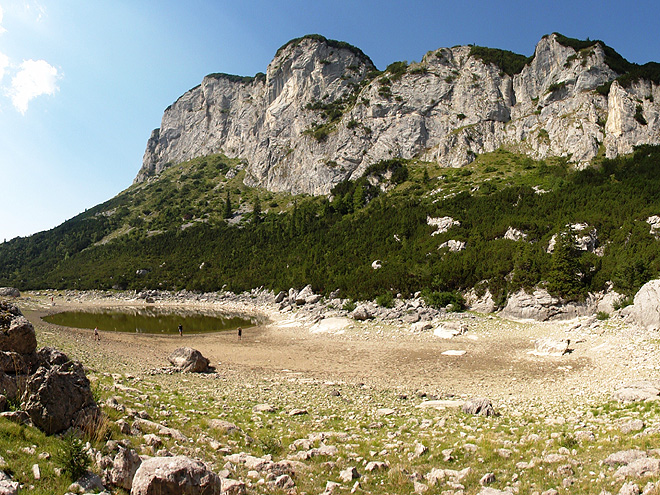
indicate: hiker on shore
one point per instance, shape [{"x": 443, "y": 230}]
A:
[
  {"x": 181, "y": 330},
  {"x": 97, "y": 337},
  {"x": 240, "y": 333}
]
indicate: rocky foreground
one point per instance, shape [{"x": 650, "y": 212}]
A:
[{"x": 586, "y": 421}]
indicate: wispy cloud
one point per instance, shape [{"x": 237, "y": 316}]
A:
[
  {"x": 34, "y": 78},
  {"x": 2, "y": 29}
]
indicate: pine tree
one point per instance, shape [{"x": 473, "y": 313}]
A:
[
  {"x": 227, "y": 212},
  {"x": 256, "y": 210},
  {"x": 564, "y": 277}
]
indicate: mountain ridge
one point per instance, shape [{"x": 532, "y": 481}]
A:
[{"x": 322, "y": 113}]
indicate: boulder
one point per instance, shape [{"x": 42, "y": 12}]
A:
[
  {"x": 18, "y": 336},
  {"x": 124, "y": 467},
  {"x": 450, "y": 329},
  {"x": 551, "y": 347},
  {"x": 188, "y": 359},
  {"x": 645, "y": 310},
  {"x": 362, "y": 313},
  {"x": 9, "y": 292},
  {"x": 175, "y": 476},
  {"x": 479, "y": 406},
  {"x": 59, "y": 397}
]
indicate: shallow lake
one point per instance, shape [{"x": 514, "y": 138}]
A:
[{"x": 151, "y": 320}]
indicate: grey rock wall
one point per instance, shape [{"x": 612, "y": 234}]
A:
[{"x": 448, "y": 108}]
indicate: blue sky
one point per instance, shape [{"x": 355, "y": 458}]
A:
[{"x": 83, "y": 83}]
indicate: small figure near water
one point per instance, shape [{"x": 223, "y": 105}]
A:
[
  {"x": 181, "y": 330},
  {"x": 240, "y": 333},
  {"x": 97, "y": 337}
]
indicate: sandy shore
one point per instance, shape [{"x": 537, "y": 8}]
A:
[{"x": 497, "y": 362}]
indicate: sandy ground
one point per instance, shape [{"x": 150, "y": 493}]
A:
[{"x": 497, "y": 362}]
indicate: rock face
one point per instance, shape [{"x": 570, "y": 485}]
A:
[
  {"x": 188, "y": 359},
  {"x": 173, "y": 476},
  {"x": 646, "y": 306},
  {"x": 540, "y": 305},
  {"x": 321, "y": 114}
]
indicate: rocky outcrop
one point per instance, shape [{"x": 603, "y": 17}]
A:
[
  {"x": 54, "y": 394},
  {"x": 321, "y": 114},
  {"x": 541, "y": 306}
]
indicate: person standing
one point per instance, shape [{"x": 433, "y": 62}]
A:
[
  {"x": 181, "y": 330},
  {"x": 240, "y": 333},
  {"x": 97, "y": 337}
]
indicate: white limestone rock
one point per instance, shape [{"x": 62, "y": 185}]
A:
[
  {"x": 645, "y": 310},
  {"x": 450, "y": 108}
]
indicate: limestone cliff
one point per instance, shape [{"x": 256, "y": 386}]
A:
[{"x": 322, "y": 113}]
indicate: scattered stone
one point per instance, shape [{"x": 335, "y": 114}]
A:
[
  {"x": 647, "y": 466},
  {"x": 632, "y": 426},
  {"x": 449, "y": 330},
  {"x": 420, "y": 487},
  {"x": 487, "y": 479},
  {"x": 385, "y": 411},
  {"x": 638, "y": 391},
  {"x": 231, "y": 487},
  {"x": 349, "y": 474},
  {"x": 267, "y": 408},
  {"x": 441, "y": 404},
  {"x": 9, "y": 292},
  {"x": 297, "y": 412},
  {"x": 223, "y": 426},
  {"x": 376, "y": 466},
  {"x": 139, "y": 425},
  {"x": 624, "y": 457},
  {"x": 453, "y": 352},
  {"x": 629, "y": 488}
]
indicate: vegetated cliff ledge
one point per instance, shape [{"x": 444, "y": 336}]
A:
[{"x": 322, "y": 112}]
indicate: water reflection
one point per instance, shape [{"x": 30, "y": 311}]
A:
[{"x": 152, "y": 320}]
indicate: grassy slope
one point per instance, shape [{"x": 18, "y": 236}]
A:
[{"x": 172, "y": 225}]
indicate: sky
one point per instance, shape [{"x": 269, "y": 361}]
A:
[{"x": 83, "y": 83}]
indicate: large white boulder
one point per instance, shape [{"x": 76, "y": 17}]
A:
[{"x": 645, "y": 310}]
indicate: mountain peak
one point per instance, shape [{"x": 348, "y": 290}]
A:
[{"x": 322, "y": 113}]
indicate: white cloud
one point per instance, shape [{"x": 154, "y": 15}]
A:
[
  {"x": 2, "y": 30},
  {"x": 34, "y": 78}
]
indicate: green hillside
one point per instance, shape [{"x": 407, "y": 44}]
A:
[{"x": 198, "y": 227}]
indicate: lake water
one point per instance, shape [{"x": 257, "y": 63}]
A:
[{"x": 151, "y": 320}]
